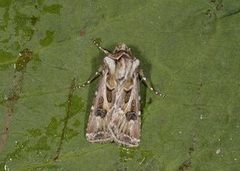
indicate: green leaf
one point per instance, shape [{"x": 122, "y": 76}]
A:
[{"x": 188, "y": 49}]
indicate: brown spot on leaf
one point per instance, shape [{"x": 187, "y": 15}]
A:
[
  {"x": 25, "y": 56},
  {"x": 185, "y": 165},
  {"x": 82, "y": 32}
]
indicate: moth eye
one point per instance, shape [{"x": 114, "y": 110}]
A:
[
  {"x": 131, "y": 116},
  {"x": 101, "y": 112}
]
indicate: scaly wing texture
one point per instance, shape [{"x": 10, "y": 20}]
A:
[
  {"x": 97, "y": 128},
  {"x": 126, "y": 121}
]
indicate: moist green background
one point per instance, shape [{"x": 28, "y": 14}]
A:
[{"x": 189, "y": 50}]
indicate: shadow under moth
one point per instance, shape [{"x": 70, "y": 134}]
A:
[{"x": 115, "y": 114}]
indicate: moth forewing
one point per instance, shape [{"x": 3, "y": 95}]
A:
[
  {"x": 99, "y": 118},
  {"x": 125, "y": 124}
]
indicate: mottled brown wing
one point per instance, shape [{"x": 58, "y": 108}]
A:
[
  {"x": 100, "y": 115},
  {"x": 125, "y": 124}
]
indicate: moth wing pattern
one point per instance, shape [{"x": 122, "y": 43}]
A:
[
  {"x": 125, "y": 124},
  {"x": 115, "y": 114},
  {"x": 99, "y": 118}
]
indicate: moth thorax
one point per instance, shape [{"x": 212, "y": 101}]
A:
[
  {"x": 123, "y": 54},
  {"x": 121, "y": 68}
]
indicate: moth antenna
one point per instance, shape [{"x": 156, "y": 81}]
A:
[{"x": 107, "y": 52}]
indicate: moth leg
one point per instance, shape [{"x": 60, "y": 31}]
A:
[
  {"x": 107, "y": 52},
  {"x": 91, "y": 79},
  {"x": 148, "y": 84}
]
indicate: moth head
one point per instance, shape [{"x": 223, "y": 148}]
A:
[
  {"x": 122, "y": 47},
  {"x": 122, "y": 50}
]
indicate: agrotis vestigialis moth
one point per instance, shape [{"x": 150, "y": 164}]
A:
[{"x": 115, "y": 114}]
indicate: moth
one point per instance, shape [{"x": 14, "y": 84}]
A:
[{"x": 115, "y": 114}]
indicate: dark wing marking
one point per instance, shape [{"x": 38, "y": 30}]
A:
[{"x": 100, "y": 115}]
